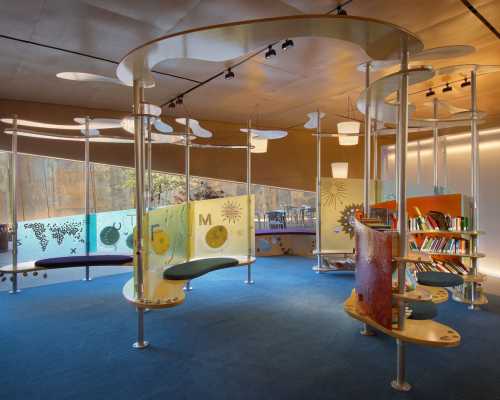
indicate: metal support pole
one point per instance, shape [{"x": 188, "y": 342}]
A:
[
  {"x": 435, "y": 147},
  {"x": 474, "y": 184},
  {"x": 249, "y": 280},
  {"x": 367, "y": 142},
  {"x": 375, "y": 152},
  {"x": 444, "y": 145},
  {"x": 419, "y": 163},
  {"x": 187, "y": 172},
  {"x": 396, "y": 159},
  {"x": 149, "y": 192},
  {"x": 400, "y": 382},
  {"x": 139, "y": 130},
  {"x": 319, "y": 255},
  {"x": 13, "y": 204},
  {"x": 86, "y": 174}
]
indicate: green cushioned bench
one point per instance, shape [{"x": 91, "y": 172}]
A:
[
  {"x": 196, "y": 268},
  {"x": 439, "y": 279}
]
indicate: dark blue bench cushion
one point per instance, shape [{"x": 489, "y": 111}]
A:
[
  {"x": 422, "y": 310},
  {"x": 439, "y": 279},
  {"x": 82, "y": 261},
  {"x": 194, "y": 269}
]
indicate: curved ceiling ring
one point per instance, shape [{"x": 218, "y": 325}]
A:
[
  {"x": 222, "y": 43},
  {"x": 380, "y": 89}
]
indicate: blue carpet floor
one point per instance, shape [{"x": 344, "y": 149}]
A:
[{"x": 286, "y": 337}]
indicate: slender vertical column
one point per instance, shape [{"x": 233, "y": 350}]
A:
[
  {"x": 86, "y": 173},
  {"x": 375, "y": 152},
  {"x": 435, "y": 147},
  {"x": 367, "y": 142},
  {"x": 474, "y": 183},
  {"x": 149, "y": 193},
  {"x": 396, "y": 158},
  {"x": 139, "y": 130},
  {"x": 13, "y": 204},
  {"x": 249, "y": 280},
  {"x": 400, "y": 382},
  {"x": 319, "y": 255},
  {"x": 419, "y": 163},
  {"x": 187, "y": 172},
  {"x": 444, "y": 145}
]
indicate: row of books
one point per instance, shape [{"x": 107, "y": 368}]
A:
[
  {"x": 441, "y": 245},
  {"x": 442, "y": 266},
  {"x": 428, "y": 223}
]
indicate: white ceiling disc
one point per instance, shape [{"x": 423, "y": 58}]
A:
[
  {"x": 35, "y": 124},
  {"x": 449, "y": 107},
  {"x": 86, "y": 77},
  {"x": 128, "y": 124},
  {"x": 195, "y": 127},
  {"x": 162, "y": 126},
  {"x": 100, "y": 123},
  {"x": 312, "y": 123},
  {"x": 162, "y": 138},
  {"x": 439, "y": 53},
  {"x": 266, "y": 134}
]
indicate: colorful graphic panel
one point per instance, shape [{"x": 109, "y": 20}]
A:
[
  {"x": 165, "y": 244},
  {"x": 112, "y": 231},
  {"x": 340, "y": 200},
  {"x": 223, "y": 227}
]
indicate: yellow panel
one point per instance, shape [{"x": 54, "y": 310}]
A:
[
  {"x": 165, "y": 244},
  {"x": 223, "y": 227},
  {"x": 339, "y": 200}
]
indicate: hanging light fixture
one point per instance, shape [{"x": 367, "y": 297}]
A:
[
  {"x": 270, "y": 52},
  {"x": 465, "y": 83},
  {"x": 287, "y": 44},
  {"x": 171, "y": 105},
  {"x": 340, "y": 170},
  {"x": 259, "y": 145},
  {"x": 179, "y": 100},
  {"x": 348, "y": 130},
  {"x": 447, "y": 88},
  {"x": 430, "y": 93}
]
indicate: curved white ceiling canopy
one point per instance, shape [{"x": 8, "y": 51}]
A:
[
  {"x": 222, "y": 43},
  {"x": 312, "y": 123},
  {"x": 86, "y": 77},
  {"x": 195, "y": 127},
  {"x": 266, "y": 134},
  {"x": 435, "y": 53},
  {"x": 162, "y": 126},
  {"x": 36, "y": 124}
]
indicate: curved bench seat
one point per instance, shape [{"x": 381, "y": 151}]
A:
[
  {"x": 84, "y": 261},
  {"x": 196, "y": 268}
]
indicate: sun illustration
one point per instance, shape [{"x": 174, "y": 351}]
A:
[
  {"x": 335, "y": 196},
  {"x": 231, "y": 212},
  {"x": 346, "y": 217}
]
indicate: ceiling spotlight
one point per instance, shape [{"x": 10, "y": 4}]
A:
[
  {"x": 270, "y": 52},
  {"x": 171, "y": 105},
  {"x": 430, "y": 92},
  {"x": 465, "y": 83},
  {"x": 229, "y": 74},
  {"x": 179, "y": 100},
  {"x": 287, "y": 44},
  {"x": 341, "y": 11},
  {"x": 447, "y": 88}
]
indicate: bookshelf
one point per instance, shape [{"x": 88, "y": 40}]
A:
[{"x": 450, "y": 242}]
